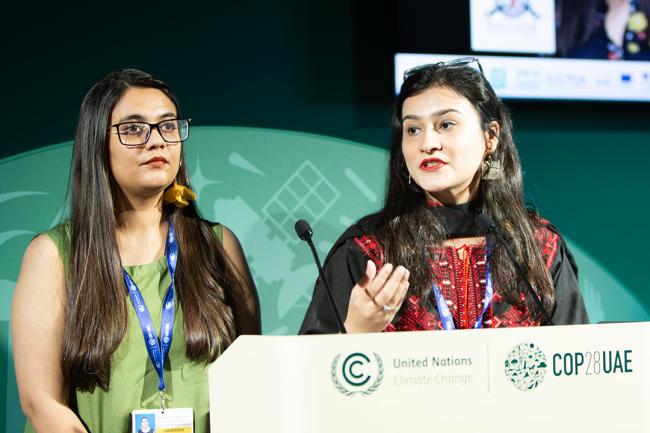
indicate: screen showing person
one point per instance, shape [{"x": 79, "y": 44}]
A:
[
  {"x": 603, "y": 29},
  {"x": 534, "y": 49}
]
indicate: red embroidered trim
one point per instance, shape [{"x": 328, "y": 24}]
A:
[
  {"x": 371, "y": 248},
  {"x": 448, "y": 269},
  {"x": 451, "y": 278},
  {"x": 549, "y": 242},
  {"x": 415, "y": 317}
]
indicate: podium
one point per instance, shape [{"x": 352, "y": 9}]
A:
[{"x": 581, "y": 378}]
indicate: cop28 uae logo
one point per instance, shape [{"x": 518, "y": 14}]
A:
[
  {"x": 525, "y": 366},
  {"x": 357, "y": 373}
]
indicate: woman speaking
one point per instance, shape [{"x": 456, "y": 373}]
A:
[{"x": 436, "y": 256}]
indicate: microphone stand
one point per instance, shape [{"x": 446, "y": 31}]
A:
[{"x": 304, "y": 232}]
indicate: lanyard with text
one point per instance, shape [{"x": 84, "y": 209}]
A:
[
  {"x": 157, "y": 350},
  {"x": 443, "y": 309}
]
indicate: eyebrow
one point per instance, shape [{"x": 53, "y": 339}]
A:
[
  {"x": 140, "y": 118},
  {"x": 434, "y": 114}
]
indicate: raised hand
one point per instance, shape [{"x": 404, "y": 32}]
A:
[{"x": 376, "y": 298}]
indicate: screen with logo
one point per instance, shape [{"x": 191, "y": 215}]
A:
[{"x": 534, "y": 49}]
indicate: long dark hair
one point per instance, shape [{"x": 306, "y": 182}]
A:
[
  {"x": 409, "y": 229},
  {"x": 575, "y": 22},
  {"x": 96, "y": 313}
]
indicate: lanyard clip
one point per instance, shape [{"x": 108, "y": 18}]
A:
[{"x": 162, "y": 401}]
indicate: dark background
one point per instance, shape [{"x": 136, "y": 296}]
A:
[{"x": 323, "y": 67}]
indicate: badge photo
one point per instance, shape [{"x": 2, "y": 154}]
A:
[{"x": 178, "y": 420}]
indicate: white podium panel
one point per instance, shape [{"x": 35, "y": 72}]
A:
[{"x": 583, "y": 378}]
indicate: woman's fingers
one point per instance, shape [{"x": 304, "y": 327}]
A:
[
  {"x": 402, "y": 289},
  {"x": 391, "y": 287},
  {"x": 386, "y": 287},
  {"x": 377, "y": 284},
  {"x": 376, "y": 298},
  {"x": 366, "y": 279}
]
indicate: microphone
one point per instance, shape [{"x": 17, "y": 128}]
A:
[
  {"x": 487, "y": 224},
  {"x": 304, "y": 232}
]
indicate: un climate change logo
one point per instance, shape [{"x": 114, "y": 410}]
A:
[
  {"x": 357, "y": 373},
  {"x": 525, "y": 366}
]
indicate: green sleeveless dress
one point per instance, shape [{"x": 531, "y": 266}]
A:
[{"x": 134, "y": 382}]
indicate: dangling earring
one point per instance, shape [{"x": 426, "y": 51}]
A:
[
  {"x": 491, "y": 169},
  {"x": 409, "y": 178},
  {"x": 179, "y": 195}
]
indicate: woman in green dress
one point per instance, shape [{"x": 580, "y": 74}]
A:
[{"x": 82, "y": 363}]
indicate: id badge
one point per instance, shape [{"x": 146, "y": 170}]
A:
[{"x": 177, "y": 420}]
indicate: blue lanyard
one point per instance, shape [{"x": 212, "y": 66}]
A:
[
  {"x": 443, "y": 310},
  {"x": 157, "y": 350}
]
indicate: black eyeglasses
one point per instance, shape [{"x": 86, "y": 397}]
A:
[
  {"x": 462, "y": 62},
  {"x": 137, "y": 133}
]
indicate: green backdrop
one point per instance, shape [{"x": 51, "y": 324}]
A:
[{"x": 260, "y": 181}]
